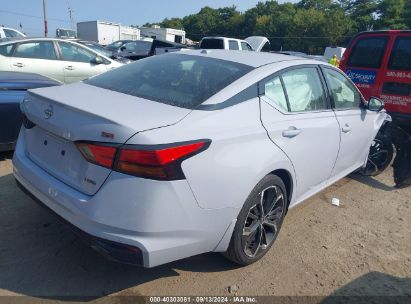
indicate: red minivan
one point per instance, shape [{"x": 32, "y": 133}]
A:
[{"x": 379, "y": 63}]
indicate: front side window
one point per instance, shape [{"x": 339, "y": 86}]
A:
[
  {"x": 245, "y": 46},
  {"x": 72, "y": 52},
  {"x": 368, "y": 52},
  {"x": 304, "y": 90},
  {"x": 5, "y": 50},
  {"x": 401, "y": 54},
  {"x": 233, "y": 45},
  {"x": 175, "y": 79},
  {"x": 130, "y": 47},
  {"x": 343, "y": 93},
  {"x": 36, "y": 50}
]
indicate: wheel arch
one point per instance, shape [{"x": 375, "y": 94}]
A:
[{"x": 287, "y": 179}]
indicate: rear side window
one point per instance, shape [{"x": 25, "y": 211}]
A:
[
  {"x": 36, "y": 50},
  {"x": 401, "y": 54},
  {"x": 273, "y": 90},
  {"x": 304, "y": 90},
  {"x": 11, "y": 33},
  {"x": 368, "y": 52},
  {"x": 233, "y": 45},
  {"x": 72, "y": 52},
  {"x": 245, "y": 46},
  {"x": 5, "y": 50},
  {"x": 179, "y": 80},
  {"x": 212, "y": 44}
]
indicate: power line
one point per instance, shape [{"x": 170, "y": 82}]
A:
[{"x": 32, "y": 16}]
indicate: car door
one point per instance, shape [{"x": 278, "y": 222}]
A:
[
  {"x": 79, "y": 63},
  {"x": 37, "y": 57},
  {"x": 358, "y": 126},
  {"x": 296, "y": 114},
  {"x": 128, "y": 50}
]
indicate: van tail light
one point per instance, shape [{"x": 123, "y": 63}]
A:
[
  {"x": 159, "y": 162},
  {"x": 98, "y": 154}
]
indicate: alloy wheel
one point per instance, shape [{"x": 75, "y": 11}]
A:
[{"x": 263, "y": 221}]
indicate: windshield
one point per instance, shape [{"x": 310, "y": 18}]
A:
[
  {"x": 99, "y": 49},
  {"x": 116, "y": 44},
  {"x": 175, "y": 79}
]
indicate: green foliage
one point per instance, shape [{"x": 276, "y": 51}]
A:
[{"x": 308, "y": 26}]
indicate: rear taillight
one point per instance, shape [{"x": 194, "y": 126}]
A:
[
  {"x": 162, "y": 162},
  {"x": 98, "y": 154}
]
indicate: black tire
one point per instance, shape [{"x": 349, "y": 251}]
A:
[
  {"x": 380, "y": 156},
  {"x": 253, "y": 225}
]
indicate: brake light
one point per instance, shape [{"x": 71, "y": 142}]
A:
[
  {"x": 101, "y": 155},
  {"x": 162, "y": 162}
]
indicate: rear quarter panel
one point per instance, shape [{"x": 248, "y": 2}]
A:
[{"x": 239, "y": 156}]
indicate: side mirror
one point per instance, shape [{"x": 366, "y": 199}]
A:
[
  {"x": 97, "y": 60},
  {"x": 123, "y": 48},
  {"x": 375, "y": 104}
]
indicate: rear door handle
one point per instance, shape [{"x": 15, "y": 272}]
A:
[
  {"x": 19, "y": 64},
  {"x": 69, "y": 67},
  {"x": 291, "y": 132},
  {"x": 346, "y": 128}
]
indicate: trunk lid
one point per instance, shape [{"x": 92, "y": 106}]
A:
[{"x": 81, "y": 112}]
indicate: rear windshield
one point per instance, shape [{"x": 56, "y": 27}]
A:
[
  {"x": 175, "y": 79},
  {"x": 368, "y": 52},
  {"x": 212, "y": 44},
  {"x": 401, "y": 54}
]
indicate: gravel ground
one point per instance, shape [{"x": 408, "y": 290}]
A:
[{"x": 361, "y": 248}]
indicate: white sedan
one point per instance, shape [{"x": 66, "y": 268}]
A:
[
  {"x": 59, "y": 59},
  {"x": 191, "y": 152}
]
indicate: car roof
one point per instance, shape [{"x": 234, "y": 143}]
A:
[
  {"x": 21, "y": 39},
  {"x": 221, "y": 37},
  {"x": 254, "y": 59}
]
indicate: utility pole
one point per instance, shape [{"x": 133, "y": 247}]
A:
[{"x": 45, "y": 18}]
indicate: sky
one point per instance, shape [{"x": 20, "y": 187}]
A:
[{"x": 29, "y": 13}]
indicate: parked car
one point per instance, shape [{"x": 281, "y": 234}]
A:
[
  {"x": 59, "y": 59},
  {"x": 116, "y": 45},
  {"x": 6, "y": 32},
  {"x": 192, "y": 152},
  {"x": 135, "y": 50},
  {"x": 379, "y": 63},
  {"x": 102, "y": 50},
  {"x": 225, "y": 43},
  {"x": 13, "y": 86},
  {"x": 253, "y": 43}
]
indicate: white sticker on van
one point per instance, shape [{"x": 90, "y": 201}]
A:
[{"x": 399, "y": 74}]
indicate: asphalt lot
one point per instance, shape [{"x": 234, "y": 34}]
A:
[{"x": 361, "y": 248}]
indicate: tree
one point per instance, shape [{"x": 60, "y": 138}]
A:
[
  {"x": 363, "y": 14},
  {"x": 391, "y": 14},
  {"x": 407, "y": 13}
]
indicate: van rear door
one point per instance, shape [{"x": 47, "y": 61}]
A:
[{"x": 395, "y": 88}]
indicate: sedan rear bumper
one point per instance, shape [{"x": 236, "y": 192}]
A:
[{"x": 159, "y": 221}]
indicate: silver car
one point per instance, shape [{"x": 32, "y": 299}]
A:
[
  {"x": 59, "y": 59},
  {"x": 191, "y": 152}
]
